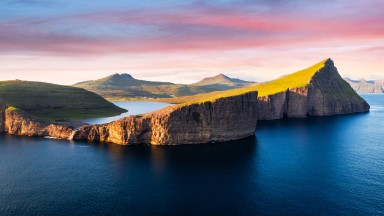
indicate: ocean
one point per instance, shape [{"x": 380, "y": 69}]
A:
[{"x": 316, "y": 166}]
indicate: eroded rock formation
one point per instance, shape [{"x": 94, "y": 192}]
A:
[
  {"x": 21, "y": 124},
  {"x": 220, "y": 120},
  {"x": 326, "y": 94},
  {"x": 223, "y": 119}
]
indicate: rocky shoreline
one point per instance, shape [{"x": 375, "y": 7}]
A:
[{"x": 218, "y": 120}]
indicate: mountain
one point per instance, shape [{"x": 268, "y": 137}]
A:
[
  {"x": 54, "y": 102},
  {"x": 124, "y": 86},
  {"x": 222, "y": 82},
  {"x": 364, "y": 86}
]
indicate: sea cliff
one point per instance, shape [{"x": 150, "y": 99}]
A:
[
  {"x": 325, "y": 94},
  {"x": 17, "y": 122},
  {"x": 214, "y": 117},
  {"x": 222, "y": 119}
]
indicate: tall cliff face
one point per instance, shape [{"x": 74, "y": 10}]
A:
[
  {"x": 17, "y": 123},
  {"x": 219, "y": 120},
  {"x": 326, "y": 94},
  {"x": 214, "y": 117}
]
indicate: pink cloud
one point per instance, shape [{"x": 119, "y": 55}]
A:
[{"x": 201, "y": 29}]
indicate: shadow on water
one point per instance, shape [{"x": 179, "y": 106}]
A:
[
  {"x": 173, "y": 179},
  {"x": 307, "y": 122},
  {"x": 198, "y": 155},
  {"x": 315, "y": 166}
]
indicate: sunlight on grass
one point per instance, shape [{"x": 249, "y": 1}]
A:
[{"x": 294, "y": 80}]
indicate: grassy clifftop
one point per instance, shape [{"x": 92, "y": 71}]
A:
[
  {"x": 55, "y": 102},
  {"x": 294, "y": 80}
]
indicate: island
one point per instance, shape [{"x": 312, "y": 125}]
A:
[{"x": 217, "y": 116}]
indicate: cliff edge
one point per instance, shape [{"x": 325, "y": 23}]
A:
[
  {"x": 218, "y": 120},
  {"x": 315, "y": 91},
  {"x": 325, "y": 93},
  {"x": 214, "y": 117}
]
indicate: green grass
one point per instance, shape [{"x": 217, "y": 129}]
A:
[
  {"x": 294, "y": 80},
  {"x": 54, "y": 102},
  {"x": 119, "y": 87}
]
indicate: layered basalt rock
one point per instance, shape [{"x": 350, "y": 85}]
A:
[
  {"x": 228, "y": 116},
  {"x": 19, "y": 123},
  {"x": 326, "y": 94},
  {"x": 219, "y": 120}
]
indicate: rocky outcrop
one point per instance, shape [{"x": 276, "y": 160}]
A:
[
  {"x": 326, "y": 94},
  {"x": 19, "y": 123},
  {"x": 220, "y": 120}
]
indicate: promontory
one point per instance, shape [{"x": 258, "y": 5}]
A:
[{"x": 212, "y": 117}]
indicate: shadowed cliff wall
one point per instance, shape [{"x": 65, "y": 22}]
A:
[{"x": 326, "y": 94}]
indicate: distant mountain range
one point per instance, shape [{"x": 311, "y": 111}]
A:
[
  {"x": 366, "y": 86},
  {"x": 124, "y": 86}
]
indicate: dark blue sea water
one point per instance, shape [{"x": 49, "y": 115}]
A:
[{"x": 317, "y": 166}]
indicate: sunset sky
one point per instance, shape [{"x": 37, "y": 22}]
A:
[{"x": 67, "y": 41}]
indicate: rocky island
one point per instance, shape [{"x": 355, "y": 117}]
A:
[{"x": 212, "y": 117}]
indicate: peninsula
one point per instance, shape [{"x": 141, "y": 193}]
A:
[{"x": 225, "y": 115}]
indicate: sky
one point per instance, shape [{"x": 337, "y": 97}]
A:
[{"x": 68, "y": 41}]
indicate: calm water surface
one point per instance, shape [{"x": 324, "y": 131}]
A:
[
  {"x": 134, "y": 108},
  {"x": 318, "y": 166}
]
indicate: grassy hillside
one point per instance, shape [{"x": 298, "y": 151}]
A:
[
  {"x": 55, "y": 102},
  {"x": 294, "y": 80},
  {"x": 125, "y": 87}
]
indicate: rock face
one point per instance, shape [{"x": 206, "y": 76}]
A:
[
  {"x": 17, "y": 123},
  {"x": 221, "y": 120},
  {"x": 326, "y": 94},
  {"x": 224, "y": 118}
]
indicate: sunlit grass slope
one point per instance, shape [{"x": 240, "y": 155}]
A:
[
  {"x": 55, "y": 102},
  {"x": 294, "y": 80}
]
